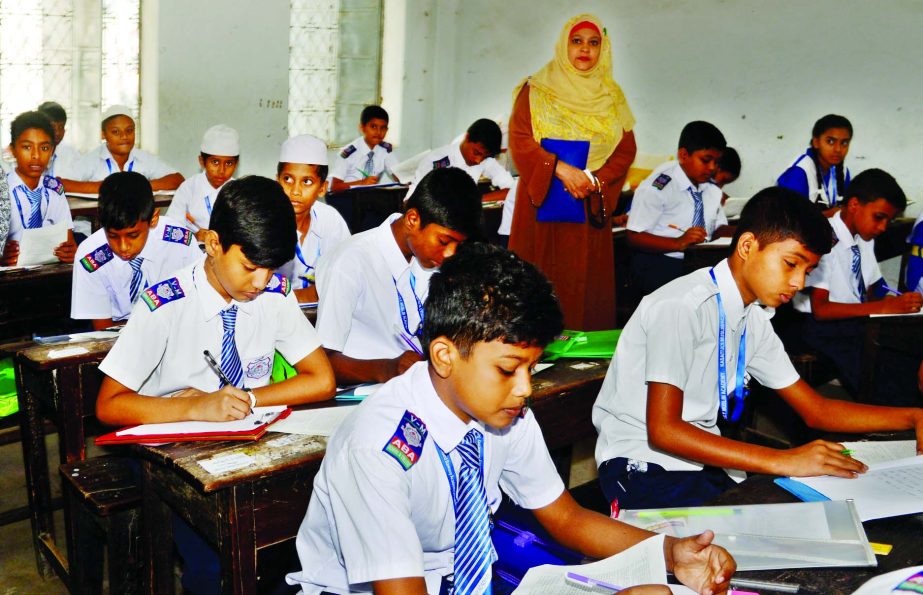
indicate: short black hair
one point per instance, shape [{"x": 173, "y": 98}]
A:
[
  {"x": 488, "y": 133},
  {"x": 776, "y": 214},
  {"x": 254, "y": 213},
  {"x": 485, "y": 293},
  {"x": 450, "y": 198},
  {"x": 873, "y": 184},
  {"x": 730, "y": 162},
  {"x": 700, "y": 135},
  {"x": 320, "y": 170},
  {"x": 28, "y": 120},
  {"x": 371, "y": 112},
  {"x": 54, "y": 111},
  {"x": 830, "y": 121},
  {"x": 125, "y": 199}
]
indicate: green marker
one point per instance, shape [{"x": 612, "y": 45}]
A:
[{"x": 681, "y": 512}]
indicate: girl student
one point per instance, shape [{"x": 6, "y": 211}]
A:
[{"x": 820, "y": 173}]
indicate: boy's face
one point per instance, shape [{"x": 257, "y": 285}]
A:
[
  {"x": 218, "y": 168},
  {"x": 59, "y": 130},
  {"x": 775, "y": 273},
  {"x": 700, "y": 166},
  {"x": 302, "y": 185},
  {"x": 231, "y": 273},
  {"x": 583, "y": 49},
  {"x": 119, "y": 134},
  {"x": 128, "y": 242},
  {"x": 490, "y": 385},
  {"x": 832, "y": 146},
  {"x": 374, "y": 131},
  {"x": 473, "y": 152},
  {"x": 869, "y": 220},
  {"x": 433, "y": 243},
  {"x": 32, "y": 150},
  {"x": 722, "y": 178}
]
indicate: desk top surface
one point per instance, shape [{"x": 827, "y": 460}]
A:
[{"x": 45, "y": 271}]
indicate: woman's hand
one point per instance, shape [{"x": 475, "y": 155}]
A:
[{"x": 575, "y": 181}]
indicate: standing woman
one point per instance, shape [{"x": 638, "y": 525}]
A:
[{"x": 573, "y": 97}]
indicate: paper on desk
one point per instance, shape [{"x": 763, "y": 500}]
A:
[
  {"x": 260, "y": 416},
  {"x": 313, "y": 422},
  {"x": 541, "y": 366},
  {"x": 36, "y": 246},
  {"x": 31, "y": 267},
  {"x": 226, "y": 463},
  {"x": 357, "y": 393},
  {"x": 895, "y": 315},
  {"x": 725, "y": 241},
  {"x": 872, "y": 452}
]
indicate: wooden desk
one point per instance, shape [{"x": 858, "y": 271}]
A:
[
  {"x": 901, "y": 532},
  {"x": 245, "y": 512},
  {"x": 704, "y": 255},
  {"x": 35, "y": 301},
  {"x": 89, "y": 207}
]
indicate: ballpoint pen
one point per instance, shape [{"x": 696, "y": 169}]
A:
[{"x": 217, "y": 370}]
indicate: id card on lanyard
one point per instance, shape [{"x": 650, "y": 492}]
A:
[
  {"x": 308, "y": 276},
  {"x": 732, "y": 405},
  {"x": 403, "y": 306}
]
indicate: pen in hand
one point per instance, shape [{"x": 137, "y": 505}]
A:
[{"x": 217, "y": 370}]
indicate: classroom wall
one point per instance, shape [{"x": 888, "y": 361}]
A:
[{"x": 763, "y": 72}]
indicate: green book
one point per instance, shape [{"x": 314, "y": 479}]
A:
[{"x": 580, "y": 344}]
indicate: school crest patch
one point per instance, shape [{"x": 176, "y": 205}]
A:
[
  {"x": 177, "y": 235},
  {"x": 162, "y": 293},
  {"x": 259, "y": 367},
  {"x": 661, "y": 181},
  {"x": 348, "y": 151},
  {"x": 386, "y": 146},
  {"x": 913, "y": 584},
  {"x": 406, "y": 445},
  {"x": 279, "y": 284},
  {"x": 442, "y": 163},
  {"x": 97, "y": 258},
  {"x": 53, "y": 184}
]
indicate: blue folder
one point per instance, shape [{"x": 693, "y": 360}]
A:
[
  {"x": 559, "y": 205},
  {"x": 801, "y": 491}
]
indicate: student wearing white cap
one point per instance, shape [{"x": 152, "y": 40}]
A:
[
  {"x": 218, "y": 158},
  {"x": 118, "y": 153},
  {"x": 302, "y": 173}
]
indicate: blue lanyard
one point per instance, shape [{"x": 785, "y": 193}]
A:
[
  {"x": 307, "y": 278},
  {"x": 740, "y": 392},
  {"x": 131, "y": 165},
  {"x": 449, "y": 468},
  {"x": 22, "y": 216},
  {"x": 403, "y": 307},
  {"x": 830, "y": 186},
  {"x": 208, "y": 205}
]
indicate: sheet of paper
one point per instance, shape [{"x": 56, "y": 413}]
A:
[
  {"x": 642, "y": 564},
  {"x": 37, "y": 245},
  {"x": 31, "y": 267},
  {"x": 726, "y": 241},
  {"x": 260, "y": 416},
  {"x": 313, "y": 422},
  {"x": 895, "y": 315},
  {"x": 226, "y": 463},
  {"x": 541, "y": 366},
  {"x": 874, "y": 452},
  {"x": 66, "y": 352}
]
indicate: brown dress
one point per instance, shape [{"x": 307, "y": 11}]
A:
[{"x": 576, "y": 257}]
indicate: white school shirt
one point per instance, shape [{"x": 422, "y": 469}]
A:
[
  {"x": 64, "y": 162},
  {"x": 370, "y": 519},
  {"x": 54, "y": 207},
  {"x": 451, "y": 156},
  {"x": 664, "y": 198},
  {"x": 102, "y": 281},
  {"x": 354, "y": 156},
  {"x": 194, "y": 197},
  {"x": 97, "y": 164},
  {"x": 328, "y": 229},
  {"x": 359, "y": 312},
  {"x": 160, "y": 350},
  {"x": 834, "y": 271},
  {"x": 672, "y": 338}
]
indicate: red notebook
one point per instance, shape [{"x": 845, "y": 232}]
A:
[{"x": 250, "y": 428}]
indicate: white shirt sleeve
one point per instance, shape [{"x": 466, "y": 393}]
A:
[
  {"x": 154, "y": 167},
  {"x": 820, "y": 276},
  {"x": 179, "y": 206},
  {"x": 339, "y": 168},
  {"x": 140, "y": 346},
  {"x": 670, "y": 361},
  {"x": 59, "y": 211},
  {"x": 338, "y": 295},
  {"x": 296, "y": 339},
  {"x": 498, "y": 176},
  {"x": 89, "y": 294},
  {"x": 391, "y": 162},
  {"x": 770, "y": 365},
  {"x": 529, "y": 476},
  {"x": 646, "y": 208}
]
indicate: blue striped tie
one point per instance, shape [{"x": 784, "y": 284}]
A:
[
  {"x": 370, "y": 164},
  {"x": 857, "y": 271},
  {"x": 35, "y": 203},
  {"x": 230, "y": 360},
  {"x": 698, "y": 214},
  {"x": 474, "y": 551},
  {"x": 136, "y": 278}
]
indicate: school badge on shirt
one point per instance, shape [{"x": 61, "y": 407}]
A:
[
  {"x": 661, "y": 181},
  {"x": 97, "y": 258},
  {"x": 53, "y": 184},
  {"x": 386, "y": 146},
  {"x": 348, "y": 151},
  {"x": 279, "y": 284},
  {"x": 177, "y": 235},
  {"x": 162, "y": 293},
  {"x": 441, "y": 163},
  {"x": 406, "y": 444}
]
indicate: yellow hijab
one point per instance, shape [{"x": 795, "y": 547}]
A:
[{"x": 573, "y": 105}]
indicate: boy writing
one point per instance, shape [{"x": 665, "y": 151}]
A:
[
  {"x": 676, "y": 208},
  {"x": 403, "y": 497},
  {"x": 686, "y": 354},
  {"x": 133, "y": 248},
  {"x": 369, "y": 157},
  {"x": 230, "y": 304},
  {"x": 373, "y": 285}
]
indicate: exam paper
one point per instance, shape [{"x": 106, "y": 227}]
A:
[
  {"x": 260, "y": 416},
  {"x": 725, "y": 241},
  {"x": 313, "y": 422},
  {"x": 873, "y": 452},
  {"x": 36, "y": 246}
]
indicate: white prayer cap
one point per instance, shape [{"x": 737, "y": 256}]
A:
[
  {"x": 116, "y": 110},
  {"x": 222, "y": 140},
  {"x": 304, "y": 148}
]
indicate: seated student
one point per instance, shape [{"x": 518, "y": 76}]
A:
[
  {"x": 728, "y": 171},
  {"x": 36, "y": 199},
  {"x": 913, "y": 278},
  {"x": 302, "y": 173},
  {"x": 847, "y": 285},
  {"x": 219, "y": 155},
  {"x": 820, "y": 174},
  {"x": 368, "y": 158},
  {"x": 382, "y": 517},
  {"x": 659, "y": 444},
  {"x": 134, "y": 248},
  {"x": 65, "y": 156},
  {"x": 676, "y": 208},
  {"x": 231, "y": 304},
  {"x": 373, "y": 285},
  {"x": 474, "y": 154},
  {"x": 118, "y": 153}
]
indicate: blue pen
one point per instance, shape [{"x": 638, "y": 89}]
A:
[
  {"x": 408, "y": 340},
  {"x": 888, "y": 289},
  {"x": 586, "y": 581}
]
